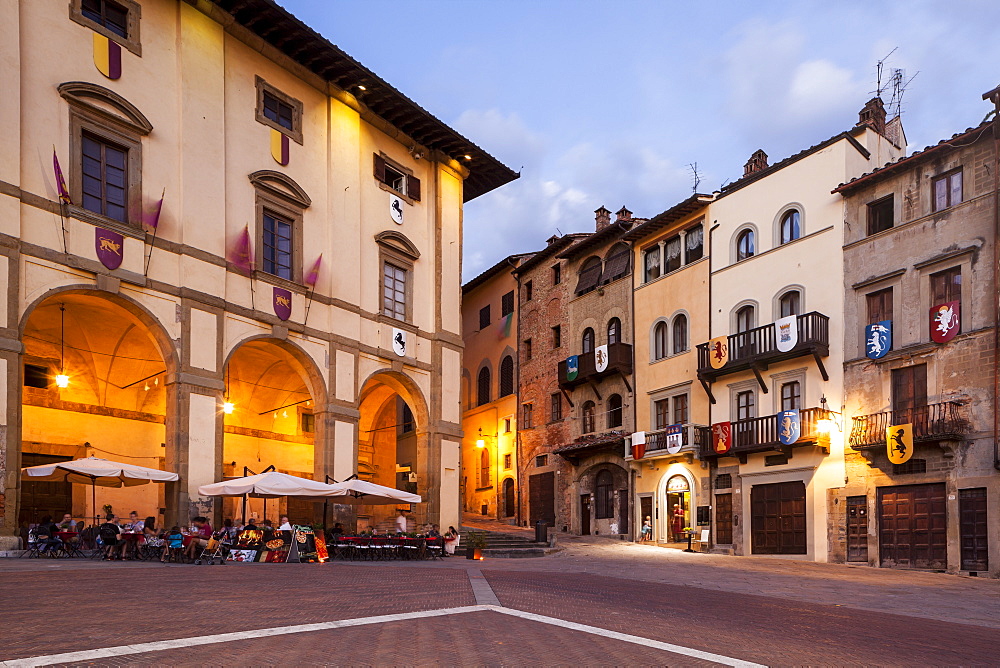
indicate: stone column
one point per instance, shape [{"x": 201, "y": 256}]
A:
[
  {"x": 10, "y": 441},
  {"x": 663, "y": 257},
  {"x": 194, "y": 430}
]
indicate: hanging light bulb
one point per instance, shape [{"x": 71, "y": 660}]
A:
[
  {"x": 147, "y": 387},
  {"x": 62, "y": 380},
  {"x": 228, "y": 407},
  {"x": 275, "y": 415},
  {"x": 284, "y": 413},
  {"x": 156, "y": 381}
]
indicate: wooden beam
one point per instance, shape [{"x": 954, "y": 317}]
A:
[{"x": 822, "y": 368}]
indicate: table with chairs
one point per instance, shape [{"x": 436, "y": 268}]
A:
[{"x": 385, "y": 548}]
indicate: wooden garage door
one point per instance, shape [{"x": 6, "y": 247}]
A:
[
  {"x": 913, "y": 526},
  {"x": 542, "y": 497},
  {"x": 778, "y": 518},
  {"x": 44, "y": 498}
]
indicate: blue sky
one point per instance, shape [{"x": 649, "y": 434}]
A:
[{"x": 609, "y": 102}]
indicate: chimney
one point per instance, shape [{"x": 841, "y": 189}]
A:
[
  {"x": 623, "y": 214},
  {"x": 554, "y": 238},
  {"x": 873, "y": 115},
  {"x": 603, "y": 218},
  {"x": 757, "y": 162}
]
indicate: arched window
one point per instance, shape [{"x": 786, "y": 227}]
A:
[
  {"x": 790, "y": 226},
  {"x": 588, "y": 417},
  {"x": 616, "y": 263},
  {"x": 588, "y": 341},
  {"x": 484, "y": 468},
  {"x": 680, "y": 332},
  {"x": 604, "y": 495},
  {"x": 744, "y": 245},
  {"x": 614, "y": 331},
  {"x": 507, "y": 376},
  {"x": 660, "y": 340},
  {"x": 745, "y": 319},
  {"x": 614, "y": 411},
  {"x": 590, "y": 275},
  {"x": 483, "y": 387},
  {"x": 789, "y": 303}
]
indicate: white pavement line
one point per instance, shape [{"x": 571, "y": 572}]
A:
[
  {"x": 481, "y": 588},
  {"x": 161, "y": 645},
  {"x": 637, "y": 640}
]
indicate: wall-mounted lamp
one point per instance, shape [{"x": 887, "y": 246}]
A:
[
  {"x": 825, "y": 424},
  {"x": 480, "y": 442}
]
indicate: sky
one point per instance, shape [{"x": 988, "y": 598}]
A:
[{"x": 609, "y": 103}]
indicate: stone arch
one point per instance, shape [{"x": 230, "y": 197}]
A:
[
  {"x": 779, "y": 216},
  {"x": 314, "y": 377},
  {"x": 106, "y": 103},
  {"x": 402, "y": 385},
  {"x": 281, "y": 185}
]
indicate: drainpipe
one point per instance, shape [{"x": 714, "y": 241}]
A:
[
  {"x": 994, "y": 96},
  {"x": 712, "y": 463},
  {"x": 517, "y": 398}
]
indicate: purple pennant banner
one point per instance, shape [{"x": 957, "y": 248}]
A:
[
  {"x": 282, "y": 303},
  {"x": 110, "y": 246}
]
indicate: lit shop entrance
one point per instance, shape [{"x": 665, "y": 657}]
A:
[{"x": 677, "y": 510}]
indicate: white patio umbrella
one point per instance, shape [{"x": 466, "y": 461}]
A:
[
  {"x": 368, "y": 493},
  {"x": 97, "y": 472},
  {"x": 268, "y": 485}
]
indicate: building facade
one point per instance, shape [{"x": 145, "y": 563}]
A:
[
  {"x": 919, "y": 341},
  {"x": 251, "y": 264}
]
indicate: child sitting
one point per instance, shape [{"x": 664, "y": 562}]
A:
[{"x": 174, "y": 543}]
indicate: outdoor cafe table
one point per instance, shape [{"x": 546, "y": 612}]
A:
[
  {"x": 382, "y": 547},
  {"x": 70, "y": 544}
]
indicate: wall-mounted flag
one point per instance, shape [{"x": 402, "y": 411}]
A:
[
  {"x": 312, "y": 276},
  {"x": 899, "y": 443},
  {"x": 675, "y": 438},
  {"x": 399, "y": 341},
  {"x": 718, "y": 351},
  {"x": 282, "y": 303},
  {"x": 572, "y": 367},
  {"x": 945, "y": 321},
  {"x": 503, "y": 327},
  {"x": 786, "y": 333},
  {"x": 151, "y": 217},
  {"x": 60, "y": 179},
  {"x": 110, "y": 247},
  {"x": 107, "y": 56},
  {"x": 789, "y": 427},
  {"x": 878, "y": 339},
  {"x": 638, "y": 445},
  {"x": 722, "y": 437},
  {"x": 279, "y": 147},
  {"x": 242, "y": 253},
  {"x": 601, "y": 358},
  {"x": 396, "y": 209}
]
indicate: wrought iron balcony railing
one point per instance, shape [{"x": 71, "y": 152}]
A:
[
  {"x": 761, "y": 433},
  {"x": 692, "y": 437},
  {"x": 619, "y": 361},
  {"x": 934, "y": 422},
  {"x": 757, "y": 347}
]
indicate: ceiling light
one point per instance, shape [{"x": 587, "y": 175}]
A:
[
  {"x": 360, "y": 87},
  {"x": 228, "y": 408},
  {"x": 467, "y": 157},
  {"x": 62, "y": 380}
]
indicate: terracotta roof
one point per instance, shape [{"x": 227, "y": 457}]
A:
[
  {"x": 670, "y": 216},
  {"x": 557, "y": 245},
  {"x": 282, "y": 30},
  {"x": 926, "y": 153},
  {"x": 591, "y": 442},
  {"x": 510, "y": 262},
  {"x": 612, "y": 231}
]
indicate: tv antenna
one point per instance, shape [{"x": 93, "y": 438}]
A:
[
  {"x": 896, "y": 81},
  {"x": 696, "y": 177}
]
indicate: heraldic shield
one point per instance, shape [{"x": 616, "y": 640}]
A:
[
  {"x": 878, "y": 339},
  {"x": 601, "y": 358},
  {"x": 786, "y": 333},
  {"x": 110, "y": 247},
  {"x": 282, "y": 302},
  {"x": 722, "y": 437},
  {"x": 718, "y": 351},
  {"x": 572, "y": 367},
  {"x": 789, "y": 427},
  {"x": 638, "y": 445},
  {"x": 675, "y": 438},
  {"x": 899, "y": 443},
  {"x": 945, "y": 321}
]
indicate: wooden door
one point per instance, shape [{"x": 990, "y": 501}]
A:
[
  {"x": 623, "y": 512},
  {"x": 909, "y": 396},
  {"x": 585, "y": 514},
  {"x": 778, "y": 518},
  {"x": 972, "y": 511},
  {"x": 541, "y": 498},
  {"x": 724, "y": 519},
  {"x": 39, "y": 499},
  {"x": 508, "y": 497},
  {"x": 913, "y": 526},
  {"x": 857, "y": 528}
]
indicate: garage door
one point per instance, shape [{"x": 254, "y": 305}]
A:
[
  {"x": 778, "y": 518},
  {"x": 913, "y": 526}
]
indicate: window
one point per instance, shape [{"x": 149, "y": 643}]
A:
[
  {"x": 117, "y": 20},
  {"x": 506, "y": 425},
  {"x": 484, "y": 317},
  {"x": 507, "y": 304},
  {"x": 106, "y": 13},
  {"x": 744, "y": 245},
  {"x": 557, "y": 336},
  {"x": 614, "y": 331},
  {"x": 484, "y": 468},
  {"x": 507, "y": 462},
  {"x": 528, "y": 291},
  {"x": 791, "y": 396},
  {"x": 308, "y": 422},
  {"x": 651, "y": 264},
  {"x": 790, "y": 226},
  {"x": 279, "y": 111},
  {"x": 541, "y": 460},
  {"x": 617, "y": 263},
  {"x": 911, "y": 466},
  {"x": 880, "y": 215},
  {"x": 661, "y": 411},
  {"x": 660, "y": 340},
  {"x": 555, "y": 412},
  {"x": 879, "y": 305},
  {"x": 556, "y": 274},
  {"x": 604, "y": 495},
  {"x": 527, "y": 350},
  {"x": 615, "y": 411},
  {"x": 695, "y": 242},
  {"x": 947, "y": 190},
  {"x": 507, "y": 376},
  {"x": 681, "y": 409},
  {"x": 528, "y": 411},
  {"x": 745, "y": 405},
  {"x": 745, "y": 319},
  {"x": 946, "y": 286},
  {"x": 590, "y": 275},
  {"x": 36, "y": 375},
  {"x": 588, "y": 417},
  {"x": 483, "y": 387},
  {"x": 394, "y": 291},
  {"x": 588, "y": 341},
  {"x": 680, "y": 332},
  {"x": 277, "y": 246},
  {"x": 396, "y": 178},
  {"x": 724, "y": 481},
  {"x": 672, "y": 255},
  {"x": 788, "y": 304},
  {"x": 105, "y": 177}
]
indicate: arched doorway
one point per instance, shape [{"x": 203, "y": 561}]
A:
[
  {"x": 604, "y": 500},
  {"x": 95, "y": 367},
  {"x": 272, "y": 390},
  {"x": 677, "y": 505},
  {"x": 508, "y": 498}
]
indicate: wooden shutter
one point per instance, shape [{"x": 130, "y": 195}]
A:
[
  {"x": 413, "y": 188},
  {"x": 909, "y": 388},
  {"x": 379, "y": 168}
]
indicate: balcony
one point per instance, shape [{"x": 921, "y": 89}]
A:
[
  {"x": 693, "y": 436},
  {"x": 933, "y": 422},
  {"x": 760, "y": 434},
  {"x": 619, "y": 361},
  {"x": 757, "y": 348}
]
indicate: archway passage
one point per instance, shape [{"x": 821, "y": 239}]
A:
[
  {"x": 269, "y": 420},
  {"x": 94, "y": 385}
]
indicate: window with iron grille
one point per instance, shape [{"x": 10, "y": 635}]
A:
[
  {"x": 604, "y": 495},
  {"x": 483, "y": 387},
  {"x": 947, "y": 190},
  {"x": 724, "y": 481},
  {"x": 555, "y": 402},
  {"x": 484, "y": 317},
  {"x": 507, "y": 304},
  {"x": 507, "y": 376},
  {"x": 277, "y": 245},
  {"x": 911, "y": 466},
  {"x": 105, "y": 177},
  {"x": 541, "y": 460}
]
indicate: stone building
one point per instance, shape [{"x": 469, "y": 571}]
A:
[
  {"x": 490, "y": 392},
  {"x": 919, "y": 340},
  {"x": 255, "y": 261}
]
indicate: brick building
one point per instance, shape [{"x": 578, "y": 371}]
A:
[{"x": 919, "y": 343}]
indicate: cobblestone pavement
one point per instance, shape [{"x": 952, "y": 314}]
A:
[{"x": 664, "y": 605}]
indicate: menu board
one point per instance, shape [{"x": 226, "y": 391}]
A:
[{"x": 304, "y": 547}]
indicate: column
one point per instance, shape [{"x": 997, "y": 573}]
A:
[
  {"x": 194, "y": 429},
  {"x": 663, "y": 257}
]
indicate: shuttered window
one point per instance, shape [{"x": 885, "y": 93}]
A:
[
  {"x": 507, "y": 376},
  {"x": 590, "y": 276},
  {"x": 507, "y": 304},
  {"x": 397, "y": 179},
  {"x": 483, "y": 387},
  {"x": 879, "y": 305},
  {"x": 617, "y": 264},
  {"x": 946, "y": 286}
]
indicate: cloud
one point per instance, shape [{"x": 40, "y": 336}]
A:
[{"x": 502, "y": 135}]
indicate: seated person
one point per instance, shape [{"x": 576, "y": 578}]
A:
[
  {"x": 268, "y": 530},
  {"x": 150, "y": 534},
  {"x": 135, "y": 524},
  {"x": 285, "y": 524},
  {"x": 45, "y": 534},
  {"x": 110, "y": 535},
  {"x": 337, "y": 531},
  {"x": 433, "y": 532},
  {"x": 67, "y": 523},
  {"x": 228, "y": 532},
  {"x": 174, "y": 541},
  {"x": 203, "y": 531}
]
